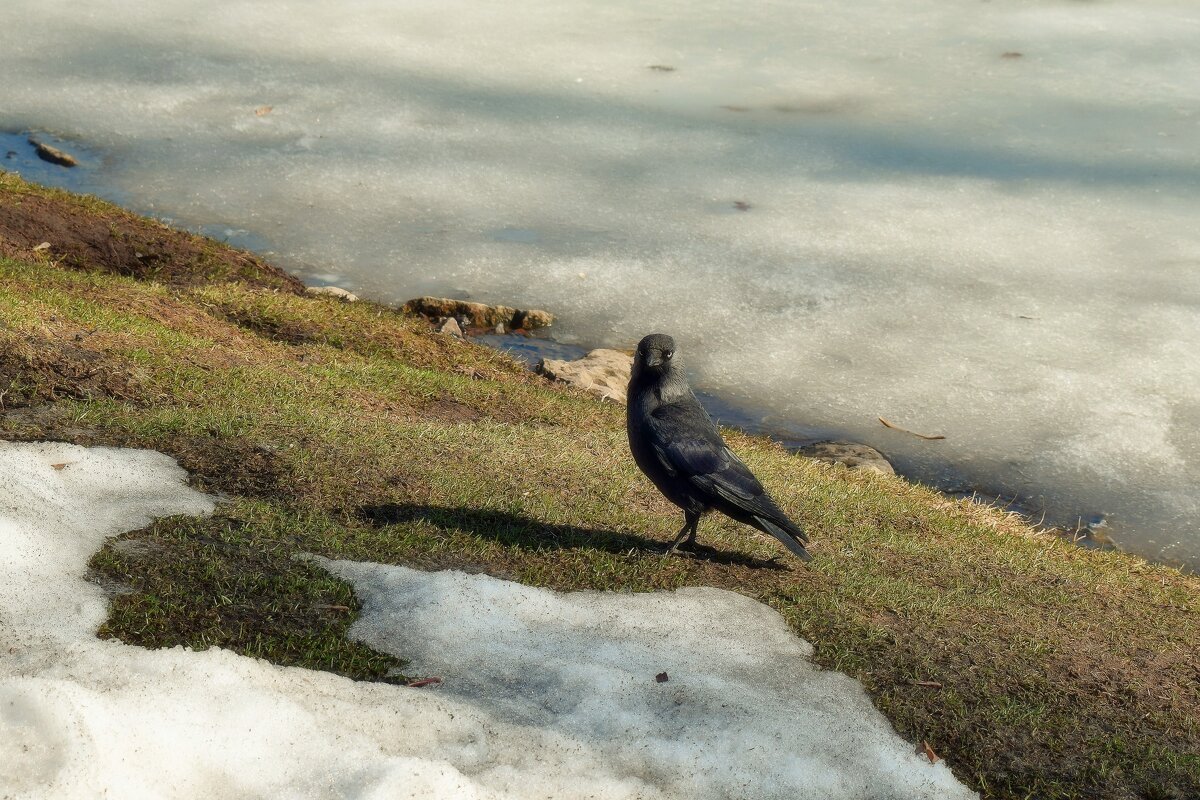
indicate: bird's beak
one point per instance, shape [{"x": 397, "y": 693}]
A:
[{"x": 654, "y": 360}]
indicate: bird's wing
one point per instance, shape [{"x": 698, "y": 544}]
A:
[{"x": 690, "y": 446}]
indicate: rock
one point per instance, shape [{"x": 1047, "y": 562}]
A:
[
  {"x": 499, "y": 328},
  {"x": 52, "y": 154},
  {"x": 533, "y": 318},
  {"x": 450, "y": 327},
  {"x": 854, "y": 456},
  {"x": 604, "y": 373},
  {"x": 479, "y": 315},
  {"x": 332, "y": 291}
]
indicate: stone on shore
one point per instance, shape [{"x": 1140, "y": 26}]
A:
[
  {"x": 52, "y": 154},
  {"x": 332, "y": 291},
  {"x": 604, "y": 373},
  {"x": 450, "y": 327},
  {"x": 532, "y": 318},
  {"x": 479, "y": 315},
  {"x": 850, "y": 454}
]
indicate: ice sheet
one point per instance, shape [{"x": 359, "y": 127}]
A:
[{"x": 974, "y": 219}]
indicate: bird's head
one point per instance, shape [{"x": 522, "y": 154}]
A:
[{"x": 655, "y": 354}]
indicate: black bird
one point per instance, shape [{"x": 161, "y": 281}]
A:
[{"x": 676, "y": 444}]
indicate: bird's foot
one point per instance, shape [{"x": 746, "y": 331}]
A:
[
  {"x": 691, "y": 549},
  {"x": 680, "y": 549}
]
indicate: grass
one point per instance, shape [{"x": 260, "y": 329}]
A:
[{"x": 350, "y": 431}]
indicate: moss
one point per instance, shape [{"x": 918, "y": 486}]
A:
[{"x": 1037, "y": 669}]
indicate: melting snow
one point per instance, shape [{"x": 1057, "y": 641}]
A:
[{"x": 546, "y": 695}]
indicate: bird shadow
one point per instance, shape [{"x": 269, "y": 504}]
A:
[{"x": 532, "y": 534}]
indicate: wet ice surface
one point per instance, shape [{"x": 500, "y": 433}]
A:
[
  {"x": 546, "y": 695},
  {"x": 974, "y": 219}
]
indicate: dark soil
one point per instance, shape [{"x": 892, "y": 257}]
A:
[{"x": 89, "y": 235}]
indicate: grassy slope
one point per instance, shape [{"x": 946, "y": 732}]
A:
[{"x": 351, "y": 431}]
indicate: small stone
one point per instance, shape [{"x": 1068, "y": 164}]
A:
[
  {"x": 533, "y": 318},
  {"x": 450, "y": 327},
  {"x": 52, "y": 154},
  {"x": 604, "y": 373},
  {"x": 332, "y": 291},
  {"x": 661, "y": 677},
  {"x": 39, "y": 247},
  {"x": 851, "y": 454},
  {"x": 499, "y": 328}
]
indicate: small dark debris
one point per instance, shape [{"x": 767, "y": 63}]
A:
[
  {"x": 11, "y": 154},
  {"x": 417, "y": 684},
  {"x": 52, "y": 154},
  {"x": 738, "y": 109},
  {"x": 742, "y": 205},
  {"x": 1012, "y": 54},
  {"x": 662, "y": 68},
  {"x": 661, "y": 677}
]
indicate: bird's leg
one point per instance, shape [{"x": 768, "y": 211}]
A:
[
  {"x": 690, "y": 523},
  {"x": 694, "y": 520}
]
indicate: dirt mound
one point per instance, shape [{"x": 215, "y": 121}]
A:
[
  {"x": 88, "y": 234},
  {"x": 36, "y": 369}
]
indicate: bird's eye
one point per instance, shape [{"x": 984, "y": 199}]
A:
[{"x": 667, "y": 354}]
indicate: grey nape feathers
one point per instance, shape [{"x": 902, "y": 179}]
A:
[{"x": 676, "y": 444}]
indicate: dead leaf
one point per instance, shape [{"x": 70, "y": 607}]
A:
[
  {"x": 42, "y": 246},
  {"x": 742, "y": 205},
  {"x": 417, "y": 684},
  {"x": 262, "y": 111},
  {"x": 1012, "y": 54},
  {"x": 887, "y": 424},
  {"x": 661, "y": 677},
  {"x": 928, "y": 751},
  {"x": 62, "y": 466},
  {"x": 929, "y": 684}
]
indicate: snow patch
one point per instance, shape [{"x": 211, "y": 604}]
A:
[{"x": 546, "y": 695}]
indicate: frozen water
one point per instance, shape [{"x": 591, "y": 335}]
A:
[
  {"x": 975, "y": 219},
  {"x": 547, "y": 695}
]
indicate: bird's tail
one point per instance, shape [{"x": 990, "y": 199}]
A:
[{"x": 786, "y": 531}]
